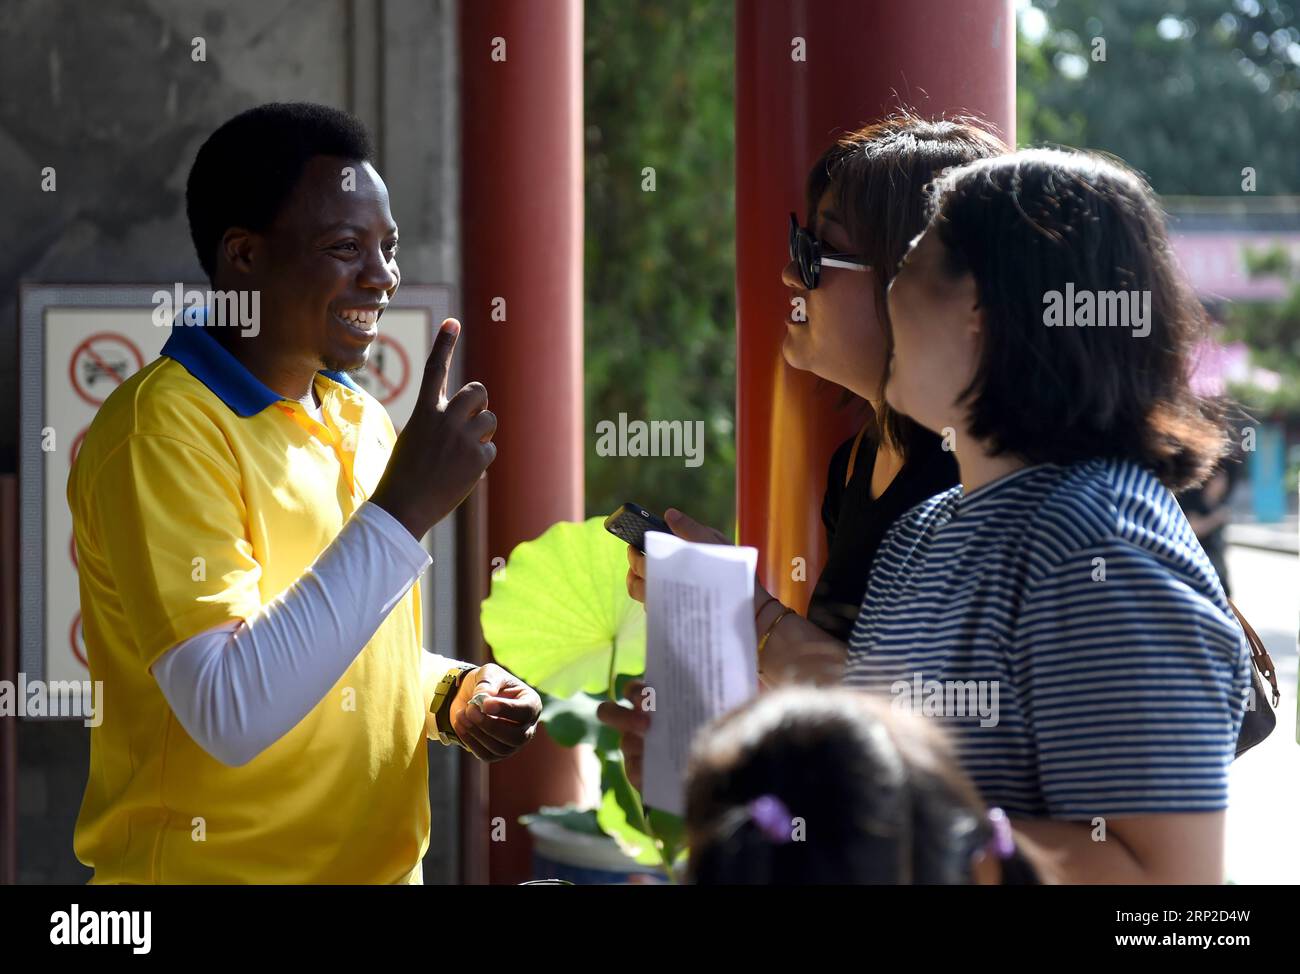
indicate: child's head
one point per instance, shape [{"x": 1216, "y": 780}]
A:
[
  {"x": 829, "y": 786},
  {"x": 1042, "y": 313}
]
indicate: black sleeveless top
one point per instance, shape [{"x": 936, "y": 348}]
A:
[{"x": 856, "y": 524}]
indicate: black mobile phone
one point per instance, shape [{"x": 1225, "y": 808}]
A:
[{"x": 631, "y": 522}]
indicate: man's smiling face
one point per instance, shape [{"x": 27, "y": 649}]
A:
[{"x": 328, "y": 265}]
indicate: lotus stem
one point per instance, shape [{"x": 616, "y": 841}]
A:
[{"x": 643, "y": 820}]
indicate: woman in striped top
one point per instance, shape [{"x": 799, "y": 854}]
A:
[{"x": 1055, "y": 608}]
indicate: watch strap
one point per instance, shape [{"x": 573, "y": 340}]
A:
[{"x": 440, "y": 707}]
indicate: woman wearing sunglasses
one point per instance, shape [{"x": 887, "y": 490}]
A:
[
  {"x": 1059, "y": 581},
  {"x": 865, "y": 203}
]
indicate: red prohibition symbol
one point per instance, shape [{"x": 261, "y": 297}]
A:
[
  {"x": 75, "y": 637},
  {"x": 104, "y": 356},
  {"x": 389, "y": 357}
]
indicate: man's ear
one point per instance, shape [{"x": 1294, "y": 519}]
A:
[{"x": 239, "y": 249}]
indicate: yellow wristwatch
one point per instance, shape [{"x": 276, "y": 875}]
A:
[{"x": 441, "y": 705}]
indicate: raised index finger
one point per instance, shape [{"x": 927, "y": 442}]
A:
[{"x": 433, "y": 387}]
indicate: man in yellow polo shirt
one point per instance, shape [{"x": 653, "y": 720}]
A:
[{"x": 247, "y": 526}]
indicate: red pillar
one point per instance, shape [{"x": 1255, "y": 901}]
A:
[
  {"x": 521, "y": 238},
  {"x": 862, "y": 60}
]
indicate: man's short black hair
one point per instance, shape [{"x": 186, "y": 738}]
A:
[{"x": 247, "y": 168}]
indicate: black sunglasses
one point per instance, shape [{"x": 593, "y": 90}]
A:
[{"x": 806, "y": 252}]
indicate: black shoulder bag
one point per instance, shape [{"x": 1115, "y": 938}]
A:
[{"x": 1259, "y": 719}]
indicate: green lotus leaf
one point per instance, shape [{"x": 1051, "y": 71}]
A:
[
  {"x": 634, "y": 843},
  {"x": 571, "y": 721},
  {"x": 620, "y": 812},
  {"x": 619, "y": 807},
  {"x": 559, "y": 616}
]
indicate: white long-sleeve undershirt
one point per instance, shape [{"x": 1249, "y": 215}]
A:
[{"x": 239, "y": 688}]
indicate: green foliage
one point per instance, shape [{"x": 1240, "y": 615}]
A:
[
  {"x": 660, "y": 266},
  {"x": 559, "y": 616},
  {"x": 571, "y": 721},
  {"x": 1272, "y": 331},
  {"x": 1190, "y": 91},
  {"x": 662, "y": 840},
  {"x": 582, "y": 820},
  {"x": 1037, "y": 122}
]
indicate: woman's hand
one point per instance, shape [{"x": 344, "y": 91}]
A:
[
  {"x": 797, "y": 651},
  {"x": 636, "y": 574},
  {"x": 633, "y": 723},
  {"x": 688, "y": 529}
]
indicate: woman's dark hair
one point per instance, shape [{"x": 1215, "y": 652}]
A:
[
  {"x": 872, "y": 797},
  {"x": 877, "y": 176},
  {"x": 1034, "y": 229}
]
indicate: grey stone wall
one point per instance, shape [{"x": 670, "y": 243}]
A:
[{"x": 109, "y": 95}]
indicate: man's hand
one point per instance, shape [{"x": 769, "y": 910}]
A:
[
  {"x": 444, "y": 448},
  {"x": 633, "y": 723},
  {"x": 494, "y": 713}
]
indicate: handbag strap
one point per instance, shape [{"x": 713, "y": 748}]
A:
[{"x": 1258, "y": 654}]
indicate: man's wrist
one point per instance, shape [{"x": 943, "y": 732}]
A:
[
  {"x": 443, "y": 697},
  {"x": 401, "y": 542},
  {"x": 381, "y": 500}
]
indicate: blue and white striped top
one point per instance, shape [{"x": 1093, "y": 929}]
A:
[{"x": 1066, "y": 625}]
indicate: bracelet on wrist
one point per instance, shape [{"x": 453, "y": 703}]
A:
[
  {"x": 758, "y": 618},
  {"x": 762, "y": 643}
]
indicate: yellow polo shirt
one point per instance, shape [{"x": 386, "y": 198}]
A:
[{"x": 198, "y": 495}]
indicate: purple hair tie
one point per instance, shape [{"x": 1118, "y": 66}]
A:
[
  {"x": 772, "y": 818},
  {"x": 1003, "y": 843}
]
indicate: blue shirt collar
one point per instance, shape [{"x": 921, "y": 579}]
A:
[{"x": 193, "y": 346}]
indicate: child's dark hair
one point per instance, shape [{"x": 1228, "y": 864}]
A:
[
  {"x": 826, "y": 786},
  {"x": 1040, "y": 224},
  {"x": 877, "y": 176}
]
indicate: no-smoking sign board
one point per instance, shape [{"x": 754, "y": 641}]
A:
[{"x": 77, "y": 345}]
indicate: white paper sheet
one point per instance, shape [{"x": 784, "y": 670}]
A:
[{"x": 700, "y": 645}]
